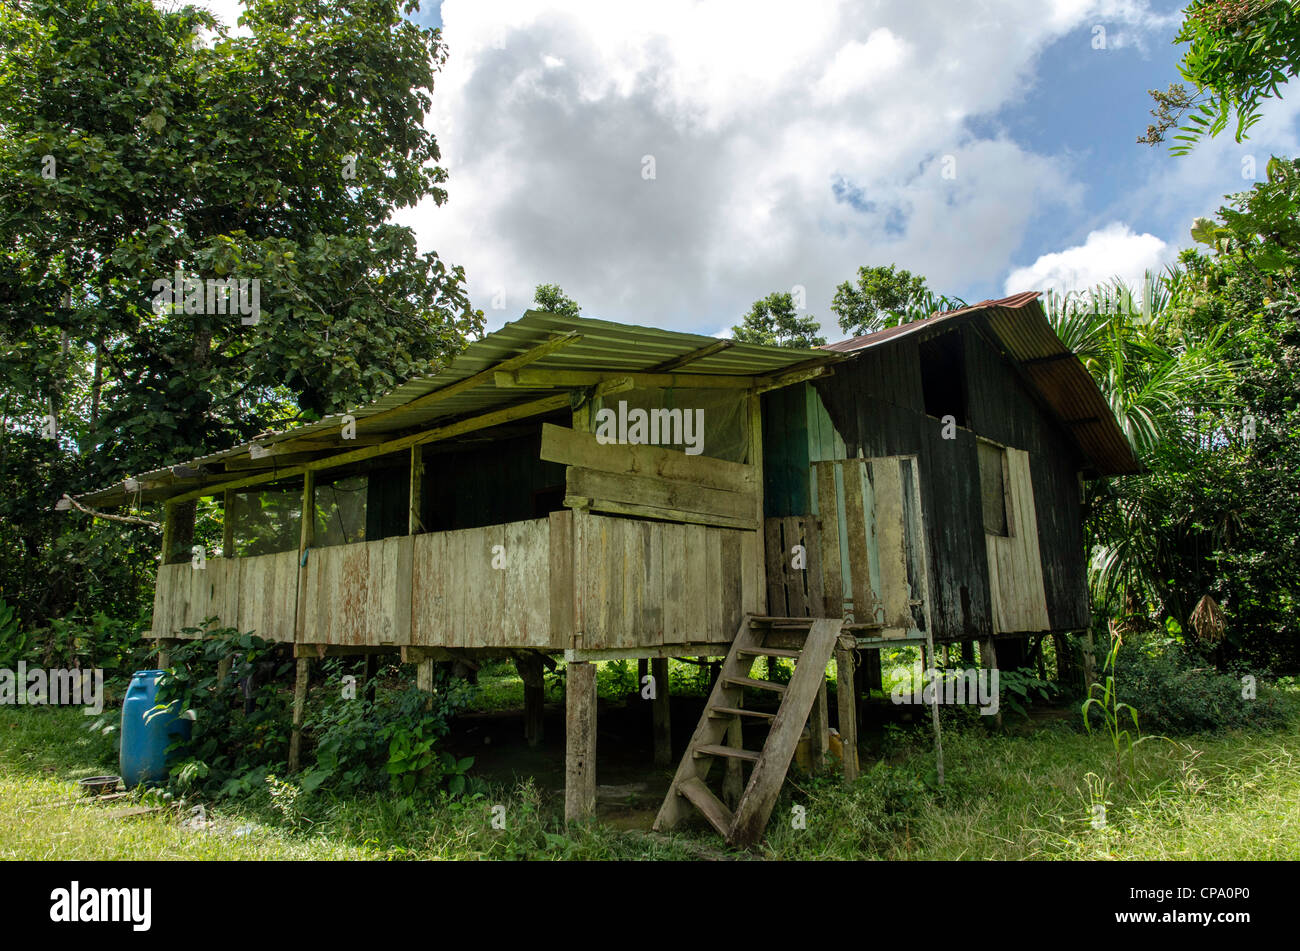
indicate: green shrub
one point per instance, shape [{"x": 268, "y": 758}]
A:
[
  {"x": 230, "y": 752},
  {"x": 368, "y": 745},
  {"x": 1175, "y": 693}
]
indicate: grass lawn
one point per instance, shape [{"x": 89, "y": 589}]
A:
[{"x": 1023, "y": 794}]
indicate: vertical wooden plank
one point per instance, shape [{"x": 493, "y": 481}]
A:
[
  {"x": 811, "y": 540},
  {"x": 673, "y": 555},
  {"x": 888, "y": 491},
  {"x": 414, "y": 499},
  {"x": 580, "y": 741},
  {"x": 753, "y": 582},
  {"x": 652, "y": 616},
  {"x": 696, "y": 594},
  {"x": 663, "y": 728},
  {"x": 306, "y": 538},
  {"x": 846, "y": 703},
  {"x": 731, "y": 593},
  {"x": 716, "y": 587},
  {"x": 775, "y": 578},
  {"x": 828, "y": 526},
  {"x": 561, "y": 578},
  {"x": 855, "y": 528},
  {"x": 774, "y": 569}
]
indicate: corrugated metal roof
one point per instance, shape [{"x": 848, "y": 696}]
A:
[
  {"x": 604, "y": 346},
  {"x": 1020, "y": 327}
]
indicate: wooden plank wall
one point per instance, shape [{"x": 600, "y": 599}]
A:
[
  {"x": 359, "y": 594},
  {"x": 459, "y": 599},
  {"x": 256, "y": 595},
  {"x": 1015, "y": 564},
  {"x": 794, "y": 592},
  {"x": 872, "y": 540},
  {"x": 876, "y": 404},
  {"x": 651, "y": 481},
  {"x": 1001, "y": 409},
  {"x": 646, "y": 583}
]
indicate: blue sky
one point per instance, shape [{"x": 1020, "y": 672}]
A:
[{"x": 668, "y": 165}]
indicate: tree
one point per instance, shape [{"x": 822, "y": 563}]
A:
[
  {"x": 552, "y": 299},
  {"x": 132, "y": 151},
  {"x": 1239, "y": 53},
  {"x": 774, "y": 322},
  {"x": 884, "y": 297}
]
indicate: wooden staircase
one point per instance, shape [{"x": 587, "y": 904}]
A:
[{"x": 724, "y": 712}]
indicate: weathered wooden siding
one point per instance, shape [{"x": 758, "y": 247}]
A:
[
  {"x": 1015, "y": 563},
  {"x": 646, "y": 583},
  {"x": 1003, "y": 409},
  {"x": 876, "y": 404},
  {"x": 257, "y": 595},
  {"x": 460, "y": 598},
  {"x": 358, "y": 595}
]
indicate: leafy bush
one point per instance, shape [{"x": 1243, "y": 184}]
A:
[
  {"x": 391, "y": 741},
  {"x": 1175, "y": 694},
  {"x": 230, "y": 752},
  {"x": 100, "y": 641}
]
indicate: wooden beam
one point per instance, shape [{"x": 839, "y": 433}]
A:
[
  {"x": 792, "y": 377},
  {"x": 580, "y": 742},
  {"x": 228, "y": 525},
  {"x": 302, "y": 672},
  {"x": 663, "y": 726},
  {"x": 707, "y": 350},
  {"x": 271, "y": 462},
  {"x": 539, "y": 407},
  {"x": 306, "y": 538},
  {"x": 413, "y": 524},
  {"x": 819, "y": 728},
  {"x": 573, "y": 448},
  {"x": 846, "y": 702},
  {"x": 169, "y": 531}
]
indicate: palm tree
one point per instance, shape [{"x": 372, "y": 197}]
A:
[{"x": 1159, "y": 381}]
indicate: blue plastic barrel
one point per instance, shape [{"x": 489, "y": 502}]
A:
[{"x": 145, "y": 738}]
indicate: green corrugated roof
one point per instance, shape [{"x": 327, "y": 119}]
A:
[{"x": 605, "y": 347}]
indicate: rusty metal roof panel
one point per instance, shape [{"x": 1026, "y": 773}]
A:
[{"x": 1019, "y": 326}]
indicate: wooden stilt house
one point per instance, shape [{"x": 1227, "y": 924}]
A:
[{"x": 604, "y": 491}]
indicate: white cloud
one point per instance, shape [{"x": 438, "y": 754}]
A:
[{"x": 1113, "y": 251}]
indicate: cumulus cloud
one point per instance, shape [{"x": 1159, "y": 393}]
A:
[
  {"x": 786, "y": 148},
  {"x": 1113, "y": 251}
]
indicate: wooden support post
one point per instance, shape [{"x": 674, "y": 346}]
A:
[
  {"x": 819, "y": 728},
  {"x": 531, "y": 673},
  {"x": 301, "y": 676},
  {"x": 228, "y": 524},
  {"x": 413, "y": 524},
  {"x": 663, "y": 727},
  {"x": 968, "y": 653},
  {"x": 733, "y": 779},
  {"x": 306, "y": 538},
  {"x": 223, "y": 669},
  {"x": 424, "y": 675},
  {"x": 989, "y": 661},
  {"x": 169, "y": 532},
  {"x": 846, "y": 700},
  {"x": 369, "y": 668},
  {"x": 579, "y": 741},
  {"x": 934, "y": 711},
  {"x": 642, "y": 672}
]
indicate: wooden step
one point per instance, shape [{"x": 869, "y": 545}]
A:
[
  {"x": 769, "y": 652},
  {"x": 702, "y": 798},
  {"x": 756, "y": 684},
  {"x": 731, "y": 752},
  {"x": 738, "y": 712}
]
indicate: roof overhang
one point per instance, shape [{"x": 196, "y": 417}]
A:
[{"x": 539, "y": 357}]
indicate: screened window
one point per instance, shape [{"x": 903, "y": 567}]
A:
[{"x": 993, "y": 487}]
